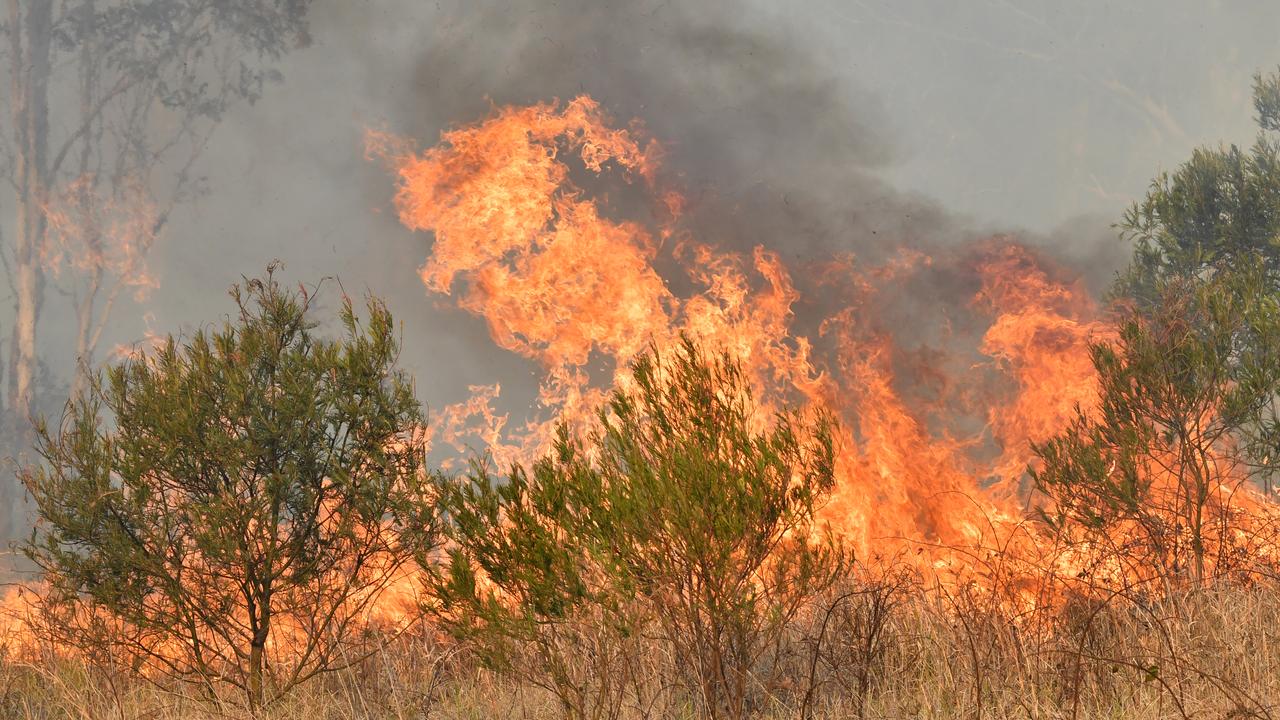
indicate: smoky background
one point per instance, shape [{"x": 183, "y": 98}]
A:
[{"x": 812, "y": 128}]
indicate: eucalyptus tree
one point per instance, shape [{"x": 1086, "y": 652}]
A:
[{"x": 110, "y": 105}]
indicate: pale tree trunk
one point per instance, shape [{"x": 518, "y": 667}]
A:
[
  {"x": 85, "y": 305},
  {"x": 85, "y": 334},
  {"x": 29, "y": 39}
]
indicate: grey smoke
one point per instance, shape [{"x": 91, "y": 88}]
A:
[{"x": 801, "y": 126}]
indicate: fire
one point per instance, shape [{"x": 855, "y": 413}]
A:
[
  {"x": 527, "y": 235},
  {"x": 96, "y": 235},
  {"x": 562, "y": 282},
  {"x": 1039, "y": 335},
  {"x": 563, "y": 233}
]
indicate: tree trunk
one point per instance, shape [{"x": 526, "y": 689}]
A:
[
  {"x": 257, "y": 651},
  {"x": 88, "y": 225},
  {"x": 84, "y": 333},
  {"x": 29, "y": 39},
  {"x": 260, "y": 627}
]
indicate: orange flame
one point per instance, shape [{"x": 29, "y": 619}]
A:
[
  {"x": 559, "y": 281},
  {"x": 527, "y": 238},
  {"x": 103, "y": 235}
]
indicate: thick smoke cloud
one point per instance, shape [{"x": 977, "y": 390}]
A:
[
  {"x": 770, "y": 147},
  {"x": 771, "y": 144},
  {"x": 767, "y": 144}
]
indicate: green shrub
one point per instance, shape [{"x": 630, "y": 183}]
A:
[
  {"x": 678, "y": 510},
  {"x": 223, "y": 509}
]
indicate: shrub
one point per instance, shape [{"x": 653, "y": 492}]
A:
[
  {"x": 684, "y": 506},
  {"x": 1185, "y": 418},
  {"x": 221, "y": 509}
]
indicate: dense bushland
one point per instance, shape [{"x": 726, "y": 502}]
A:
[{"x": 223, "y": 512}]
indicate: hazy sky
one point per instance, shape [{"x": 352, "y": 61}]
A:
[
  {"x": 1031, "y": 112},
  {"x": 1007, "y": 115}
]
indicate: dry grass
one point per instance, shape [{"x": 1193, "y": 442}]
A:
[{"x": 891, "y": 654}]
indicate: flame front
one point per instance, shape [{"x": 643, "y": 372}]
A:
[
  {"x": 563, "y": 233},
  {"x": 527, "y": 247}
]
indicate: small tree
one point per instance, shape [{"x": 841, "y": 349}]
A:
[
  {"x": 1219, "y": 208},
  {"x": 224, "y": 506},
  {"x": 686, "y": 501},
  {"x": 530, "y": 596},
  {"x": 1185, "y": 418},
  {"x": 710, "y": 515}
]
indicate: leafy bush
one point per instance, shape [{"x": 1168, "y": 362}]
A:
[
  {"x": 222, "y": 509},
  {"x": 683, "y": 507},
  {"x": 1186, "y": 417}
]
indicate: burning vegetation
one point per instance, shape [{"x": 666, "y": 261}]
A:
[
  {"x": 933, "y": 449},
  {"x": 742, "y": 472}
]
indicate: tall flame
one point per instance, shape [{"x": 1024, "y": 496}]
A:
[
  {"x": 562, "y": 282},
  {"x": 562, "y": 232}
]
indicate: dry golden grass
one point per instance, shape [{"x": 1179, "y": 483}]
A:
[{"x": 1213, "y": 654}]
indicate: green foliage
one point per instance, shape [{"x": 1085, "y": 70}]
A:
[
  {"x": 1188, "y": 388},
  {"x": 1186, "y": 415},
  {"x": 1220, "y": 207},
  {"x": 709, "y": 518},
  {"x": 527, "y": 593},
  {"x": 221, "y": 509},
  {"x": 679, "y": 509},
  {"x": 1266, "y": 100}
]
